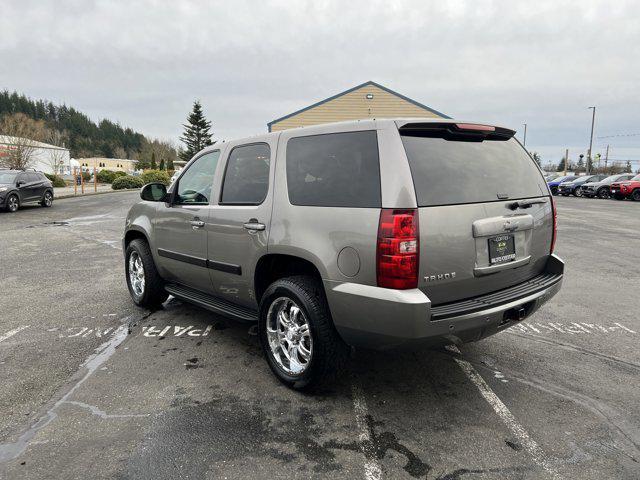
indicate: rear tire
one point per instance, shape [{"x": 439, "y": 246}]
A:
[
  {"x": 13, "y": 203},
  {"x": 577, "y": 192},
  {"x": 604, "y": 193},
  {"x": 635, "y": 195},
  {"x": 47, "y": 199},
  {"x": 145, "y": 284},
  {"x": 328, "y": 353}
]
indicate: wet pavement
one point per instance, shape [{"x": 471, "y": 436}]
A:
[{"x": 93, "y": 387}]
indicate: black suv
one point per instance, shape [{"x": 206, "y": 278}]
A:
[{"x": 18, "y": 187}]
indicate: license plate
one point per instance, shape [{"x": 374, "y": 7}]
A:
[{"x": 502, "y": 249}]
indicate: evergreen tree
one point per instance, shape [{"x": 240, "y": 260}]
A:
[
  {"x": 153, "y": 165},
  {"x": 170, "y": 164},
  {"x": 162, "y": 167},
  {"x": 627, "y": 168},
  {"x": 561, "y": 165},
  {"x": 196, "y": 132}
]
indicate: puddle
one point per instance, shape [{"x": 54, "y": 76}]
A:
[
  {"x": 55, "y": 223},
  {"x": 9, "y": 451}
]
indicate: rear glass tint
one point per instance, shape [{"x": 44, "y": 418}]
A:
[
  {"x": 449, "y": 172},
  {"x": 334, "y": 170}
]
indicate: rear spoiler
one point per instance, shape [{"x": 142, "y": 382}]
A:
[{"x": 470, "y": 132}]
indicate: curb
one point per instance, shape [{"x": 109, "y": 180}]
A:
[{"x": 71, "y": 195}]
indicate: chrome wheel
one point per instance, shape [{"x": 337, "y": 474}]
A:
[
  {"x": 136, "y": 274},
  {"x": 48, "y": 199},
  {"x": 12, "y": 203},
  {"x": 289, "y": 336}
]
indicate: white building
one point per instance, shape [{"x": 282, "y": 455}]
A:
[{"x": 46, "y": 158}]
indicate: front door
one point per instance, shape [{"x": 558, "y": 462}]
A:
[
  {"x": 239, "y": 223},
  {"x": 181, "y": 225},
  {"x": 28, "y": 187}
]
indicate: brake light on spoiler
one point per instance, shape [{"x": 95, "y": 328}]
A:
[
  {"x": 473, "y": 126},
  {"x": 398, "y": 249}
]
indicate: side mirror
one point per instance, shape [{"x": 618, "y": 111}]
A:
[
  {"x": 19, "y": 184},
  {"x": 154, "y": 192}
]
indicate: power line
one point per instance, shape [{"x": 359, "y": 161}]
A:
[{"x": 621, "y": 135}]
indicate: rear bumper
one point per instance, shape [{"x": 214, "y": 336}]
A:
[{"x": 381, "y": 318}]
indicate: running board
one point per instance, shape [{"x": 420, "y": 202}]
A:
[{"x": 212, "y": 303}]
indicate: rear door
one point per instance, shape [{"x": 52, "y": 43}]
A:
[
  {"x": 485, "y": 212},
  {"x": 239, "y": 223}
]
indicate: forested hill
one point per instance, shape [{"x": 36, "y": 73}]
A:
[{"x": 85, "y": 138}]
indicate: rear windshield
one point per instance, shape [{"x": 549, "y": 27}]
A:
[
  {"x": 334, "y": 170},
  {"x": 449, "y": 172}
]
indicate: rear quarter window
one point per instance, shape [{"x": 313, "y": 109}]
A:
[
  {"x": 334, "y": 170},
  {"x": 449, "y": 172}
]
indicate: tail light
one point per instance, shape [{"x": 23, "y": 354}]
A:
[
  {"x": 398, "y": 249},
  {"x": 555, "y": 225}
]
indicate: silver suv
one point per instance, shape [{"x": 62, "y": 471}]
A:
[{"x": 372, "y": 233}]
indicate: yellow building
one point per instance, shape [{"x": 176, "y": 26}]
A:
[
  {"x": 114, "y": 164},
  {"x": 368, "y": 100}
]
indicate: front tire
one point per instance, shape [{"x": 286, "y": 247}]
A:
[
  {"x": 13, "y": 203},
  {"x": 297, "y": 334},
  {"x": 47, "y": 199},
  {"x": 577, "y": 192},
  {"x": 635, "y": 195},
  {"x": 145, "y": 284}
]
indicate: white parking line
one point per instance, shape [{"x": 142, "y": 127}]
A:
[
  {"x": 505, "y": 415},
  {"x": 11, "y": 333},
  {"x": 372, "y": 470}
]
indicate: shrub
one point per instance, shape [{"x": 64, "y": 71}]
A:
[
  {"x": 106, "y": 176},
  {"x": 120, "y": 173},
  {"x": 56, "y": 180},
  {"x": 127, "y": 181},
  {"x": 86, "y": 176},
  {"x": 152, "y": 176}
]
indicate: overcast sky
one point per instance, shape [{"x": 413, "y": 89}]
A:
[{"x": 142, "y": 63}]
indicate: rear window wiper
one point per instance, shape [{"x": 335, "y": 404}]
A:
[{"x": 526, "y": 203}]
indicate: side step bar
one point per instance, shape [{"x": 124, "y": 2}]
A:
[{"x": 210, "y": 302}]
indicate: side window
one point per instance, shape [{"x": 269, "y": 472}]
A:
[
  {"x": 246, "y": 178},
  {"x": 194, "y": 186},
  {"x": 334, "y": 170},
  {"x": 22, "y": 178}
]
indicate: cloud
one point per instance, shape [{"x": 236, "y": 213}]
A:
[{"x": 143, "y": 62}]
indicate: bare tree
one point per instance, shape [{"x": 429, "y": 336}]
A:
[
  {"x": 21, "y": 135},
  {"x": 56, "y": 157}
]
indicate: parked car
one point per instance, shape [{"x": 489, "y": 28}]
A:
[
  {"x": 628, "y": 189},
  {"x": 351, "y": 235},
  {"x": 555, "y": 183},
  {"x": 549, "y": 177},
  {"x": 602, "y": 189},
  {"x": 573, "y": 187},
  {"x": 18, "y": 187}
]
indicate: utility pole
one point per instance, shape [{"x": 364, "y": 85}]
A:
[
  {"x": 593, "y": 121},
  {"x": 566, "y": 160},
  {"x": 606, "y": 158},
  {"x": 524, "y": 140}
]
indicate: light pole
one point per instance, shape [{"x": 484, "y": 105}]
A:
[
  {"x": 524, "y": 140},
  {"x": 593, "y": 121}
]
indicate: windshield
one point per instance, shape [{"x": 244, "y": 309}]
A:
[
  {"x": 564, "y": 179},
  {"x": 636, "y": 178},
  {"x": 7, "y": 177}
]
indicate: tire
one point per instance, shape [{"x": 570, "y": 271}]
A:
[
  {"x": 151, "y": 293},
  {"x": 328, "y": 353},
  {"x": 577, "y": 192},
  {"x": 635, "y": 195},
  {"x": 554, "y": 190},
  {"x": 12, "y": 203},
  {"x": 604, "y": 193},
  {"x": 47, "y": 199}
]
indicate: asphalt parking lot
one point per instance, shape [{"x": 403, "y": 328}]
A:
[{"x": 93, "y": 387}]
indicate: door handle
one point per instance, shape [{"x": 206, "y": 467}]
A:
[
  {"x": 195, "y": 224},
  {"x": 254, "y": 224}
]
